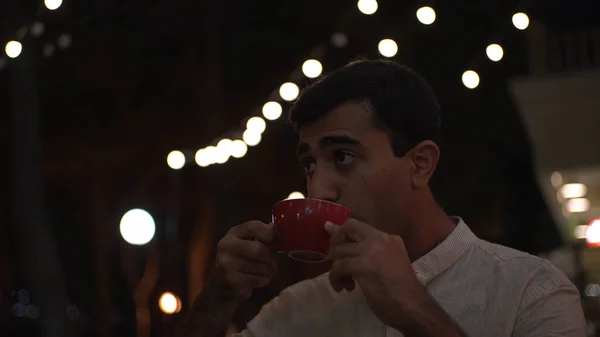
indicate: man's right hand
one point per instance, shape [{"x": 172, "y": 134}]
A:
[{"x": 243, "y": 260}]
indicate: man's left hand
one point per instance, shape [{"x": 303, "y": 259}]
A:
[{"x": 379, "y": 263}]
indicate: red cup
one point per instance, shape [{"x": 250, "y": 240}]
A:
[{"x": 300, "y": 227}]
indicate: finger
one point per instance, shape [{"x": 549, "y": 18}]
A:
[
  {"x": 339, "y": 237},
  {"x": 345, "y": 250},
  {"x": 254, "y": 250},
  {"x": 331, "y": 228},
  {"x": 351, "y": 231},
  {"x": 246, "y": 249},
  {"x": 241, "y": 280},
  {"x": 255, "y": 230},
  {"x": 356, "y": 230},
  {"x": 340, "y": 275},
  {"x": 258, "y": 268},
  {"x": 242, "y": 285}
]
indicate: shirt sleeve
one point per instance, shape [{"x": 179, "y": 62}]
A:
[{"x": 550, "y": 307}]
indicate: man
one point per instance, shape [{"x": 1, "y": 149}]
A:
[{"x": 369, "y": 136}]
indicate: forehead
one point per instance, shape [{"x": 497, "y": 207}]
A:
[{"x": 353, "y": 119}]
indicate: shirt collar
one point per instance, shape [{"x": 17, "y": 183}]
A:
[{"x": 444, "y": 255}]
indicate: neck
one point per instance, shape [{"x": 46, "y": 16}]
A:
[{"x": 429, "y": 226}]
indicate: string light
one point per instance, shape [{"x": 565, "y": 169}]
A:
[
  {"x": 296, "y": 195},
  {"x": 312, "y": 68},
  {"x": 367, "y": 7},
  {"x": 176, "y": 160},
  {"x": 52, "y": 4},
  {"x": 470, "y": 79},
  {"x": 426, "y": 15},
  {"x": 272, "y": 110},
  {"x": 289, "y": 91},
  {"x": 256, "y": 125},
  {"x": 494, "y": 52},
  {"x": 251, "y": 138},
  {"x": 13, "y": 49},
  {"x": 520, "y": 21},
  {"x": 388, "y": 47},
  {"x": 202, "y": 158},
  {"x": 238, "y": 148}
]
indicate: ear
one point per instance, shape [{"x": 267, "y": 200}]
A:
[{"x": 425, "y": 157}]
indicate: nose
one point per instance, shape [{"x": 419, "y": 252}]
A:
[{"x": 323, "y": 185}]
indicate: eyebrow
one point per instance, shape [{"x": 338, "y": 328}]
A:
[{"x": 329, "y": 141}]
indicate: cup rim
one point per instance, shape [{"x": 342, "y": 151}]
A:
[{"x": 310, "y": 199}]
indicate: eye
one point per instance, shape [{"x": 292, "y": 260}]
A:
[
  {"x": 343, "y": 157},
  {"x": 309, "y": 167}
]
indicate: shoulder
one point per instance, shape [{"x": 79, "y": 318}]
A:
[
  {"x": 535, "y": 276},
  {"x": 534, "y": 268},
  {"x": 544, "y": 292}
]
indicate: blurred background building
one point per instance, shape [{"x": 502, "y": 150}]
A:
[{"x": 136, "y": 133}]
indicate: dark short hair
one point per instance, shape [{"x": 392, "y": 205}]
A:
[{"x": 403, "y": 104}]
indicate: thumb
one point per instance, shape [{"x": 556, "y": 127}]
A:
[{"x": 331, "y": 228}]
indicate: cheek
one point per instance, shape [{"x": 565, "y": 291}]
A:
[{"x": 374, "y": 194}]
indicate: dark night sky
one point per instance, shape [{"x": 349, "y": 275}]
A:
[{"x": 145, "y": 77}]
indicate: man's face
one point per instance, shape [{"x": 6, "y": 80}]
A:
[{"x": 349, "y": 161}]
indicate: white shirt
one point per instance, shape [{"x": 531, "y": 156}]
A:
[{"x": 487, "y": 289}]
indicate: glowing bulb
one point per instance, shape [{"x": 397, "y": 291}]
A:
[
  {"x": 222, "y": 151},
  {"x": 256, "y": 125},
  {"x": 203, "y": 158},
  {"x": 137, "y": 227},
  {"x": 272, "y": 110},
  {"x": 578, "y": 205},
  {"x": 367, "y": 7},
  {"x": 520, "y": 21},
  {"x": 312, "y": 68},
  {"x": 238, "y": 149},
  {"x": 52, "y": 4},
  {"x": 251, "y": 138},
  {"x": 13, "y": 49},
  {"x": 169, "y": 303},
  {"x": 212, "y": 154},
  {"x": 225, "y": 145},
  {"x": 388, "y": 47},
  {"x": 296, "y": 195},
  {"x": 571, "y": 191},
  {"x": 176, "y": 160},
  {"x": 494, "y": 52},
  {"x": 426, "y": 15},
  {"x": 592, "y": 233},
  {"x": 470, "y": 79},
  {"x": 289, "y": 91}
]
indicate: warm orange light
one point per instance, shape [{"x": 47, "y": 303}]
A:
[
  {"x": 592, "y": 234},
  {"x": 169, "y": 303}
]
